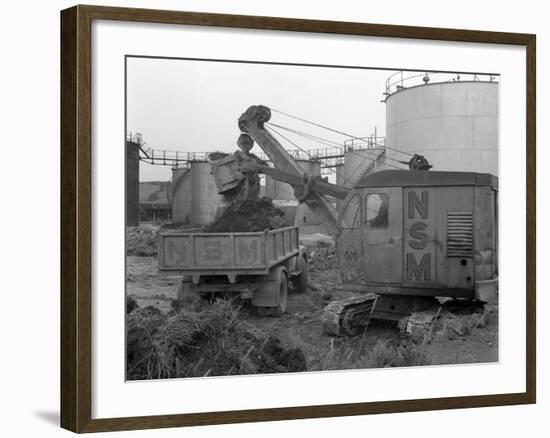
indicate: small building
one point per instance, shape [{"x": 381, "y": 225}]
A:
[{"x": 153, "y": 202}]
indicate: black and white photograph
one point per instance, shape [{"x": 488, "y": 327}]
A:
[{"x": 285, "y": 218}]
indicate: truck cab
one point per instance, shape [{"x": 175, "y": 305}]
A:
[{"x": 421, "y": 233}]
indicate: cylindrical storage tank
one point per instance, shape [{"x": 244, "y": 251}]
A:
[
  {"x": 289, "y": 209},
  {"x": 340, "y": 182},
  {"x": 132, "y": 184},
  {"x": 304, "y": 216},
  {"x": 453, "y": 124},
  {"x": 180, "y": 195},
  {"x": 361, "y": 162},
  {"x": 278, "y": 190},
  {"x": 204, "y": 196}
]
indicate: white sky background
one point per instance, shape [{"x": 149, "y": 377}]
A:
[{"x": 193, "y": 106}]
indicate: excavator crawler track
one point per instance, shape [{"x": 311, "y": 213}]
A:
[{"x": 346, "y": 317}]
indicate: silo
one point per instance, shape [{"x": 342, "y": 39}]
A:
[
  {"x": 289, "y": 208},
  {"x": 204, "y": 196},
  {"x": 307, "y": 220},
  {"x": 340, "y": 181},
  {"x": 453, "y": 124},
  {"x": 361, "y": 162},
  {"x": 180, "y": 191},
  {"x": 278, "y": 190},
  {"x": 132, "y": 183}
]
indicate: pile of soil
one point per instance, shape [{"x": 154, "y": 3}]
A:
[
  {"x": 252, "y": 215},
  {"x": 198, "y": 339},
  {"x": 141, "y": 242}
]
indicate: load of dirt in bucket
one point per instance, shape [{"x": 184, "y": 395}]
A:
[
  {"x": 201, "y": 339},
  {"x": 252, "y": 215},
  {"x": 217, "y": 155}
]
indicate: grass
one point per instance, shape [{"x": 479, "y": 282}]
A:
[
  {"x": 383, "y": 354},
  {"x": 200, "y": 339},
  {"x": 353, "y": 353},
  {"x": 165, "y": 346}
]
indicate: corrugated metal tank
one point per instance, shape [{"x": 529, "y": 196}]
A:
[
  {"x": 132, "y": 183},
  {"x": 453, "y": 124},
  {"x": 304, "y": 216},
  {"x": 204, "y": 196},
  {"x": 180, "y": 191}
]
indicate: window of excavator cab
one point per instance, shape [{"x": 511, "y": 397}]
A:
[
  {"x": 351, "y": 218},
  {"x": 376, "y": 207}
]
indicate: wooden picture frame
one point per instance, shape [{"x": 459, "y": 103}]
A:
[{"x": 76, "y": 217}]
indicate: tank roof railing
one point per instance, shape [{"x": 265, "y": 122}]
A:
[
  {"x": 401, "y": 79},
  {"x": 370, "y": 142},
  {"x": 135, "y": 137}
]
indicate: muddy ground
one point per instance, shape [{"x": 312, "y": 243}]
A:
[{"x": 471, "y": 338}]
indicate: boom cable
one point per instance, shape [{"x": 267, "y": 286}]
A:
[
  {"x": 308, "y": 154},
  {"x": 332, "y": 130},
  {"x": 322, "y": 140},
  {"x": 271, "y": 128}
]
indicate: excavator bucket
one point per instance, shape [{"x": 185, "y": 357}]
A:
[
  {"x": 227, "y": 174},
  {"x": 237, "y": 178}
]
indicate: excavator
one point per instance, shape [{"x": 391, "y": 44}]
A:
[{"x": 403, "y": 237}]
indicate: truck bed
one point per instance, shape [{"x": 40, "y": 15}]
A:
[{"x": 230, "y": 254}]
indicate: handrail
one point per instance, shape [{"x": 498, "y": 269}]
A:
[
  {"x": 329, "y": 157},
  {"x": 401, "y": 80}
]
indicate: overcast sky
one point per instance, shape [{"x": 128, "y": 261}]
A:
[{"x": 194, "y": 105}]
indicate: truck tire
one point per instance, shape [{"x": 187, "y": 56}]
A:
[
  {"x": 280, "y": 287},
  {"x": 299, "y": 283},
  {"x": 274, "y": 291}
]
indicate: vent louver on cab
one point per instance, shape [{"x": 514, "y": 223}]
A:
[{"x": 460, "y": 235}]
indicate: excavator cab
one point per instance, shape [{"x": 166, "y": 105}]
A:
[
  {"x": 417, "y": 233},
  {"x": 370, "y": 241}
]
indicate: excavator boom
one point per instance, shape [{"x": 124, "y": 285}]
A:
[{"x": 309, "y": 190}]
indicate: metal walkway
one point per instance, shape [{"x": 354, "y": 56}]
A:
[{"x": 330, "y": 157}]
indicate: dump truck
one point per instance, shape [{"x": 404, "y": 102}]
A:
[{"x": 255, "y": 266}]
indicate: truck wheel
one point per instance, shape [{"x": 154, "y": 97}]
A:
[
  {"x": 272, "y": 297},
  {"x": 280, "y": 287},
  {"x": 299, "y": 282}
]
